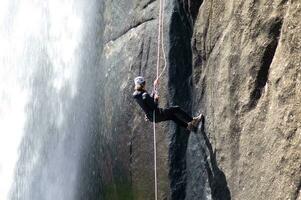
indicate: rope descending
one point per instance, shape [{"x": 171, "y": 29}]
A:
[{"x": 160, "y": 46}]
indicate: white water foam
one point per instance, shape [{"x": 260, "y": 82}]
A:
[{"x": 28, "y": 30}]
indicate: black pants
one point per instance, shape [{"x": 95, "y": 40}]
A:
[{"x": 175, "y": 114}]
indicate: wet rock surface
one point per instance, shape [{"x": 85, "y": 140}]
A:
[{"x": 130, "y": 36}]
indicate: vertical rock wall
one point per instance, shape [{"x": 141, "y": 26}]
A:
[
  {"x": 238, "y": 63},
  {"x": 246, "y": 58},
  {"x": 130, "y": 50}
]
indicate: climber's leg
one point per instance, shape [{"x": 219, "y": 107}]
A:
[
  {"x": 177, "y": 111},
  {"x": 179, "y": 121},
  {"x": 179, "y": 116},
  {"x": 173, "y": 113},
  {"x": 166, "y": 115}
]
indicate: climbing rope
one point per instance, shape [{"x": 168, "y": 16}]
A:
[
  {"x": 155, "y": 156},
  {"x": 160, "y": 45}
]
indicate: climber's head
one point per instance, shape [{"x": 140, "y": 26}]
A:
[{"x": 139, "y": 83}]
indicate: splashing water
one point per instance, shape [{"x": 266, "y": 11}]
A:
[{"x": 40, "y": 45}]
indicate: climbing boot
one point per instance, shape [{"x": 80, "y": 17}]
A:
[
  {"x": 191, "y": 127},
  {"x": 196, "y": 120}
]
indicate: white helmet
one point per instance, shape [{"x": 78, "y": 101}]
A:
[{"x": 139, "y": 80}]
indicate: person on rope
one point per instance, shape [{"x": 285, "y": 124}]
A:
[{"x": 149, "y": 104}]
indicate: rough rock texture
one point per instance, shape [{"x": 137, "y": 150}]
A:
[
  {"x": 130, "y": 50},
  {"x": 238, "y": 62},
  {"x": 247, "y": 82}
]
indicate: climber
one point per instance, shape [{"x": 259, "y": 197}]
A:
[{"x": 149, "y": 104}]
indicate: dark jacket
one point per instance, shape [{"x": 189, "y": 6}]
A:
[{"x": 146, "y": 102}]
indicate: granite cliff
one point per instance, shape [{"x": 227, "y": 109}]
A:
[{"x": 236, "y": 61}]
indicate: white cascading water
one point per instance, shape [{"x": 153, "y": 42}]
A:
[{"x": 31, "y": 30}]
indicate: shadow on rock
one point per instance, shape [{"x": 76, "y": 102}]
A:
[{"x": 204, "y": 178}]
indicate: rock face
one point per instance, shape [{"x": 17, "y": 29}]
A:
[
  {"x": 247, "y": 76},
  {"x": 130, "y": 50},
  {"x": 236, "y": 61}
]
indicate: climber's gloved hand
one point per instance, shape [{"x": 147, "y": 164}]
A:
[
  {"x": 145, "y": 118},
  {"x": 155, "y": 92},
  {"x": 156, "y": 83}
]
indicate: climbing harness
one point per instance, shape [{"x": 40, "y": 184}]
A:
[{"x": 160, "y": 45}]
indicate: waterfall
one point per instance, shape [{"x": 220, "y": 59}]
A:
[{"x": 48, "y": 50}]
